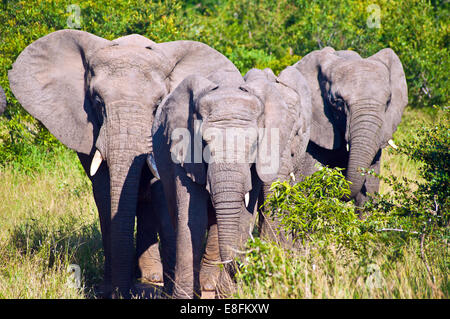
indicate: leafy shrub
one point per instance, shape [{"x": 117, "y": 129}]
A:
[
  {"x": 421, "y": 206},
  {"x": 312, "y": 210}
]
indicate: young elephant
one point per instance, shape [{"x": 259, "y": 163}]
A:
[
  {"x": 217, "y": 112},
  {"x": 98, "y": 97},
  {"x": 356, "y": 106}
]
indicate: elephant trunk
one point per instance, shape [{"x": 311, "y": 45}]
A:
[
  {"x": 365, "y": 123},
  {"x": 127, "y": 149},
  {"x": 227, "y": 186}
]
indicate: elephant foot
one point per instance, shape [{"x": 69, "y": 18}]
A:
[
  {"x": 226, "y": 286},
  {"x": 103, "y": 291},
  {"x": 147, "y": 291},
  {"x": 150, "y": 266},
  {"x": 209, "y": 276},
  {"x": 209, "y": 270}
]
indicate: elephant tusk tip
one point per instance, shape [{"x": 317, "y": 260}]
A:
[
  {"x": 391, "y": 143},
  {"x": 292, "y": 176},
  {"x": 152, "y": 165},
  {"x": 247, "y": 199},
  {"x": 96, "y": 162}
]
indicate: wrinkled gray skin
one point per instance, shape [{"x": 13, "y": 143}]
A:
[
  {"x": 95, "y": 94},
  {"x": 355, "y": 101},
  {"x": 293, "y": 159},
  {"x": 2, "y": 101},
  {"x": 221, "y": 101}
]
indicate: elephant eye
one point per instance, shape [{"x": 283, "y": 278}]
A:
[
  {"x": 98, "y": 100},
  {"x": 338, "y": 103}
]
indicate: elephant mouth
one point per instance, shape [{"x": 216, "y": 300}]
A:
[{"x": 128, "y": 130}]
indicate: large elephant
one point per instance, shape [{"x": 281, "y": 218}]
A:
[
  {"x": 357, "y": 104},
  {"x": 2, "y": 101},
  {"x": 99, "y": 97},
  {"x": 244, "y": 126}
]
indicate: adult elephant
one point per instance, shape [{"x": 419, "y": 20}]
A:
[
  {"x": 2, "y": 101},
  {"x": 99, "y": 97},
  {"x": 357, "y": 104},
  {"x": 245, "y": 127}
]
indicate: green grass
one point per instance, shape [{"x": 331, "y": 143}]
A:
[
  {"x": 48, "y": 220},
  {"x": 339, "y": 273},
  {"x": 400, "y": 165}
]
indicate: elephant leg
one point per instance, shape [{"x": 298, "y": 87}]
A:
[
  {"x": 211, "y": 277},
  {"x": 210, "y": 269},
  {"x": 191, "y": 219},
  {"x": 102, "y": 197},
  {"x": 269, "y": 225},
  {"x": 370, "y": 186},
  {"x": 147, "y": 244},
  {"x": 167, "y": 235}
]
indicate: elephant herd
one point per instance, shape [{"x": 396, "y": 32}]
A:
[{"x": 174, "y": 138}]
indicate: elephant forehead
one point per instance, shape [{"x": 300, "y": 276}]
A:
[
  {"x": 231, "y": 98},
  {"x": 360, "y": 69},
  {"x": 116, "y": 58}
]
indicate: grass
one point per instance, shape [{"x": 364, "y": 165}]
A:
[
  {"x": 338, "y": 273},
  {"x": 398, "y": 164},
  {"x": 48, "y": 220}
]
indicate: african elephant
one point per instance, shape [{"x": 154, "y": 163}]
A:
[
  {"x": 245, "y": 127},
  {"x": 2, "y": 101},
  {"x": 292, "y": 161},
  {"x": 99, "y": 97},
  {"x": 357, "y": 104}
]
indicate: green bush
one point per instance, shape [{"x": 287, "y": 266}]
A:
[{"x": 421, "y": 206}]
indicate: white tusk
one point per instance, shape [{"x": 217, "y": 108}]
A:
[
  {"x": 348, "y": 147},
  {"x": 247, "y": 199},
  {"x": 152, "y": 165},
  {"x": 391, "y": 143},
  {"x": 96, "y": 162},
  {"x": 292, "y": 176}
]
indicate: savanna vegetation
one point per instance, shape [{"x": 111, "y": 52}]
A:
[{"x": 48, "y": 218}]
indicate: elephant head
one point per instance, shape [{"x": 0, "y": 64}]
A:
[
  {"x": 357, "y": 103},
  {"x": 99, "y": 97},
  {"x": 2, "y": 101},
  {"x": 235, "y": 123}
]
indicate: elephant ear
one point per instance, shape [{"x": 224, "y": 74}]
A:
[
  {"x": 49, "y": 80},
  {"x": 191, "y": 57},
  {"x": 298, "y": 97},
  {"x": 399, "y": 92},
  {"x": 272, "y": 142},
  {"x": 177, "y": 116},
  {"x": 314, "y": 67},
  {"x": 2, "y": 101}
]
